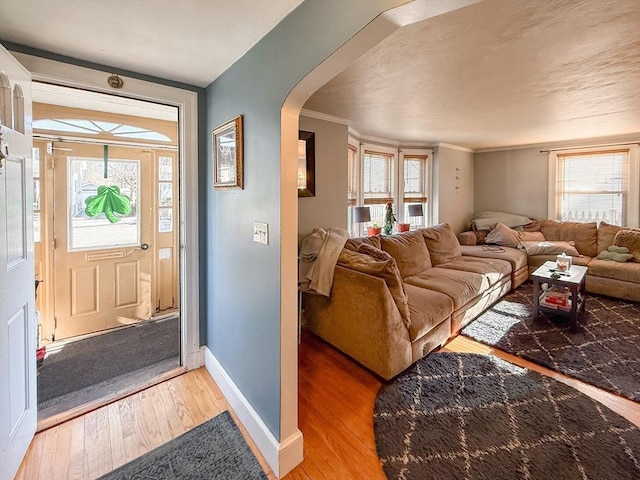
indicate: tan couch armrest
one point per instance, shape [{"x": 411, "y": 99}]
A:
[
  {"x": 362, "y": 320},
  {"x": 467, "y": 238}
]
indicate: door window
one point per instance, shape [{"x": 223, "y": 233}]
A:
[{"x": 110, "y": 227}]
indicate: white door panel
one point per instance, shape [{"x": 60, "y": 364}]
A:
[{"x": 18, "y": 407}]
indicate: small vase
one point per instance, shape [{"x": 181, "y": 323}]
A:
[{"x": 403, "y": 227}]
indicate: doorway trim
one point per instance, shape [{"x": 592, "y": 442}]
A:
[{"x": 51, "y": 71}]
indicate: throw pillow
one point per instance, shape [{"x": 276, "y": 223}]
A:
[
  {"x": 442, "y": 243},
  {"x": 549, "y": 248},
  {"x": 614, "y": 256},
  {"x": 629, "y": 238},
  {"x": 382, "y": 265},
  {"x": 507, "y": 237},
  {"x": 354, "y": 243}
]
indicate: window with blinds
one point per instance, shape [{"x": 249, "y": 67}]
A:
[
  {"x": 352, "y": 177},
  {"x": 593, "y": 186},
  {"x": 415, "y": 187},
  {"x": 377, "y": 176}
]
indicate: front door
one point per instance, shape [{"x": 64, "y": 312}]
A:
[
  {"x": 18, "y": 407},
  {"x": 103, "y": 232}
]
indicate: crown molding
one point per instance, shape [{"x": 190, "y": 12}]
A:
[
  {"x": 455, "y": 147},
  {"x": 577, "y": 143},
  {"x": 323, "y": 116}
]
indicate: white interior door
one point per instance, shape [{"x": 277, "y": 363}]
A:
[{"x": 18, "y": 407}]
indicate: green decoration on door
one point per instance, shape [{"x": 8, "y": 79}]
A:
[{"x": 108, "y": 201}]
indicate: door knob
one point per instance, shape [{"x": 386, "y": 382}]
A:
[{"x": 144, "y": 246}]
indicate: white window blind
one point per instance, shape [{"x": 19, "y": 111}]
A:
[
  {"x": 415, "y": 187},
  {"x": 352, "y": 177},
  {"x": 593, "y": 186},
  {"x": 377, "y": 179}
]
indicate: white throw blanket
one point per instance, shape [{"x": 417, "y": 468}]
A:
[{"x": 319, "y": 254}]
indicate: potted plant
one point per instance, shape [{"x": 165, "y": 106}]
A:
[
  {"x": 374, "y": 229},
  {"x": 403, "y": 227}
]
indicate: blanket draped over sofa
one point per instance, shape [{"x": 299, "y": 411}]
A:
[{"x": 397, "y": 297}]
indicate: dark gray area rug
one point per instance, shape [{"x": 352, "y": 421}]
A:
[
  {"x": 605, "y": 351},
  {"x": 214, "y": 450},
  {"x": 98, "y": 359},
  {"x": 470, "y": 416}
]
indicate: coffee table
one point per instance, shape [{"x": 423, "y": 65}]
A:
[{"x": 573, "y": 280}]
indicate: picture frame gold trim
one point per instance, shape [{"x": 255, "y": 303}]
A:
[{"x": 227, "y": 153}]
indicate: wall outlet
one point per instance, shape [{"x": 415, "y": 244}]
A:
[{"x": 261, "y": 232}]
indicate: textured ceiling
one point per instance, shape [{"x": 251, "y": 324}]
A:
[
  {"x": 498, "y": 73},
  {"x": 189, "y": 41}
]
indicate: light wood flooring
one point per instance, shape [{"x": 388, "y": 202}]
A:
[{"x": 336, "y": 403}]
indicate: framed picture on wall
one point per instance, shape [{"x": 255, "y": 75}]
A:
[
  {"x": 306, "y": 164},
  {"x": 228, "y": 154}
]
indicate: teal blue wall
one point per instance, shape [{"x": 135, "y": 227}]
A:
[{"x": 243, "y": 280}]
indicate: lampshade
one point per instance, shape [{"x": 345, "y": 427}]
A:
[
  {"x": 361, "y": 214},
  {"x": 416, "y": 210}
]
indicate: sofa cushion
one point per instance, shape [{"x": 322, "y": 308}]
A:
[
  {"x": 508, "y": 237},
  {"x": 606, "y": 235},
  {"x": 494, "y": 270},
  {"x": 354, "y": 243},
  {"x": 381, "y": 267},
  {"x": 409, "y": 250},
  {"x": 629, "y": 238},
  {"x": 584, "y": 234},
  {"x": 549, "y": 248},
  {"x": 442, "y": 243},
  {"x": 517, "y": 258},
  {"x": 428, "y": 309},
  {"x": 462, "y": 287},
  {"x": 627, "y": 272}
]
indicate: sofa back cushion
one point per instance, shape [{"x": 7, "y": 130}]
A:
[
  {"x": 606, "y": 235},
  {"x": 373, "y": 261},
  {"x": 585, "y": 235},
  {"x": 409, "y": 250},
  {"x": 442, "y": 243}
]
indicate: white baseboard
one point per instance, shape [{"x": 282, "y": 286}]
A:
[{"x": 283, "y": 456}]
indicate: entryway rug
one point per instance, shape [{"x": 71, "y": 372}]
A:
[
  {"x": 604, "y": 351},
  {"x": 470, "y": 416},
  {"x": 214, "y": 450},
  {"x": 102, "y": 358}
]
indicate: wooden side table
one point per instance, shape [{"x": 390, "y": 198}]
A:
[{"x": 573, "y": 280}]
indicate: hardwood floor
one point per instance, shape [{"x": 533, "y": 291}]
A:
[
  {"x": 336, "y": 398},
  {"x": 99, "y": 441}
]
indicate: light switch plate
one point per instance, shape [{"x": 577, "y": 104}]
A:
[{"x": 261, "y": 232}]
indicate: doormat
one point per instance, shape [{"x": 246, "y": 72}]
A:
[
  {"x": 100, "y": 358},
  {"x": 214, "y": 450}
]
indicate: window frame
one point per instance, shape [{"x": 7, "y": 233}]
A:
[
  {"x": 428, "y": 187},
  {"x": 397, "y": 155},
  {"x": 633, "y": 192}
]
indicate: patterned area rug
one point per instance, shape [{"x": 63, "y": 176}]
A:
[
  {"x": 469, "y": 416},
  {"x": 605, "y": 351},
  {"x": 213, "y": 450}
]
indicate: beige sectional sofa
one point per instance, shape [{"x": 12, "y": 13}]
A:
[
  {"x": 395, "y": 298},
  {"x": 605, "y": 277}
]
